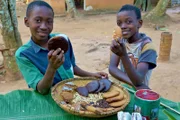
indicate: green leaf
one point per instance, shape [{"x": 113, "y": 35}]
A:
[
  {"x": 178, "y": 105},
  {"x": 170, "y": 117}
]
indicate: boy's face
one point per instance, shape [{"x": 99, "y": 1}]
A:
[
  {"x": 40, "y": 22},
  {"x": 129, "y": 24}
]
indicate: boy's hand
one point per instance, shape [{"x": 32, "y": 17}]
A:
[
  {"x": 100, "y": 75},
  {"x": 118, "y": 48},
  {"x": 56, "y": 58}
]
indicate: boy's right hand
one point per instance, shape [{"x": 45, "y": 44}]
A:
[
  {"x": 118, "y": 47},
  {"x": 56, "y": 58}
]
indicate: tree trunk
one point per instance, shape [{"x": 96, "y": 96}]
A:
[
  {"x": 158, "y": 12},
  {"x": 144, "y": 5},
  {"x": 149, "y": 5},
  {"x": 71, "y": 8},
  {"x": 11, "y": 37}
]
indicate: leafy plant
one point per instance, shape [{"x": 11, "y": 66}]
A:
[
  {"x": 169, "y": 115},
  {"x": 178, "y": 105}
]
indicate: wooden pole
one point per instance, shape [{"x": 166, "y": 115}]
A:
[{"x": 165, "y": 46}]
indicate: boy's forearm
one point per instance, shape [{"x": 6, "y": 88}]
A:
[
  {"x": 45, "y": 84},
  {"x": 79, "y": 72},
  {"x": 118, "y": 74},
  {"x": 132, "y": 73}
]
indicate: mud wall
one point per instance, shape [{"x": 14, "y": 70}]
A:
[{"x": 107, "y": 4}]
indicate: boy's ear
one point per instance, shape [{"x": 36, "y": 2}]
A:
[
  {"x": 26, "y": 22},
  {"x": 140, "y": 23}
]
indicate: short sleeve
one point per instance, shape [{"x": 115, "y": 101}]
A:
[
  {"x": 148, "y": 55},
  {"x": 72, "y": 57},
  {"x": 29, "y": 71}
]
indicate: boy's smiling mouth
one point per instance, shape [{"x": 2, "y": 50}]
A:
[
  {"x": 125, "y": 32},
  {"x": 43, "y": 33}
]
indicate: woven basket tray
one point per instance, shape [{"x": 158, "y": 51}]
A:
[{"x": 57, "y": 89}]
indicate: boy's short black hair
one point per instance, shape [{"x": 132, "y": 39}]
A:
[
  {"x": 36, "y": 3},
  {"x": 131, "y": 8}
]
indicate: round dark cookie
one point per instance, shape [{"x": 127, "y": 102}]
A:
[
  {"x": 107, "y": 84},
  {"x": 92, "y": 86},
  {"x": 58, "y": 42},
  {"x": 82, "y": 91},
  {"x": 101, "y": 87}
]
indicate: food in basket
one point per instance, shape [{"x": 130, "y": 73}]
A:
[
  {"x": 76, "y": 99},
  {"x": 91, "y": 98},
  {"x": 91, "y": 108},
  {"x": 118, "y": 103},
  {"x": 71, "y": 85},
  {"x": 67, "y": 96},
  {"x": 119, "y": 97},
  {"x": 101, "y": 87},
  {"x": 110, "y": 94},
  {"x": 114, "y": 99},
  {"x": 77, "y": 106},
  {"x": 102, "y": 103},
  {"x": 82, "y": 91},
  {"x": 92, "y": 86},
  {"x": 95, "y": 86},
  {"x": 107, "y": 84},
  {"x": 66, "y": 88}
]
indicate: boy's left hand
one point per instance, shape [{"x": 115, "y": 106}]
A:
[
  {"x": 100, "y": 75},
  {"x": 118, "y": 48}
]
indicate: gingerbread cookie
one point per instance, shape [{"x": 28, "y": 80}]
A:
[
  {"x": 67, "y": 96},
  {"x": 118, "y": 103}
]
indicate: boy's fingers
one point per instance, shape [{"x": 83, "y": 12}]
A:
[
  {"x": 60, "y": 57},
  {"x": 122, "y": 45},
  {"x": 50, "y": 53},
  {"x": 59, "y": 63},
  {"x": 114, "y": 43},
  {"x": 56, "y": 52},
  {"x": 113, "y": 50}
]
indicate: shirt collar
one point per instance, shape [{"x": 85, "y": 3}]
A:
[{"x": 36, "y": 47}]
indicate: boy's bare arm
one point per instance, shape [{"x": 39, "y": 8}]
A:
[
  {"x": 136, "y": 76},
  {"x": 79, "y": 72},
  {"x": 118, "y": 74},
  {"x": 115, "y": 72},
  {"x": 55, "y": 61},
  {"x": 45, "y": 84}
]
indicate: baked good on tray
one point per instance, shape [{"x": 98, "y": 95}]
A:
[{"x": 98, "y": 101}]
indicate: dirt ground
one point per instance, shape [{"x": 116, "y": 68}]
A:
[{"x": 91, "y": 37}]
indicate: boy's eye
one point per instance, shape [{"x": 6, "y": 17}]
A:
[
  {"x": 50, "y": 21},
  {"x": 128, "y": 21},
  {"x": 118, "y": 23},
  {"x": 38, "y": 20}
]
